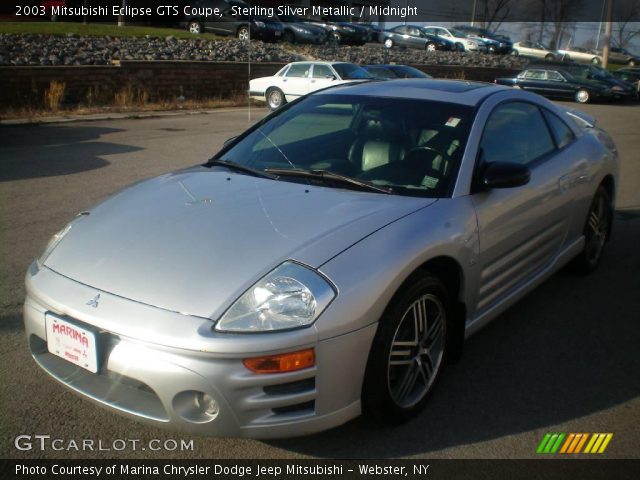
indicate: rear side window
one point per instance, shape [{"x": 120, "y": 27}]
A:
[
  {"x": 300, "y": 70},
  {"x": 562, "y": 134},
  {"x": 516, "y": 132}
]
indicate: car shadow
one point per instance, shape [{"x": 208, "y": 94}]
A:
[
  {"x": 567, "y": 350},
  {"x": 52, "y": 150}
]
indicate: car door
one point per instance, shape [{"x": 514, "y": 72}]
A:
[
  {"x": 401, "y": 36},
  {"x": 295, "y": 82},
  {"x": 535, "y": 81},
  {"x": 558, "y": 86},
  {"x": 416, "y": 38},
  {"x": 521, "y": 229},
  {"x": 321, "y": 76}
]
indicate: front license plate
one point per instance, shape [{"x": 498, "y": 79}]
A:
[{"x": 71, "y": 342}]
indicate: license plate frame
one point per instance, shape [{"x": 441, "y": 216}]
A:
[{"x": 71, "y": 342}]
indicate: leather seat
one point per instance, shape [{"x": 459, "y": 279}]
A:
[{"x": 378, "y": 143}]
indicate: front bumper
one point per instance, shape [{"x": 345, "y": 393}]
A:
[{"x": 152, "y": 373}]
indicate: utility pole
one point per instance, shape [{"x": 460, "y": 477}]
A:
[
  {"x": 473, "y": 12},
  {"x": 607, "y": 35},
  {"x": 120, "y": 16}
]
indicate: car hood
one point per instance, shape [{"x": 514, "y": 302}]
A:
[{"x": 193, "y": 241}]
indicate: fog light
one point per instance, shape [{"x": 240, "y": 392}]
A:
[{"x": 207, "y": 404}]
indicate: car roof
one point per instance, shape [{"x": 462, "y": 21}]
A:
[
  {"x": 318, "y": 62},
  {"x": 452, "y": 91}
]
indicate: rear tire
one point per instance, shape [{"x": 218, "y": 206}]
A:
[
  {"x": 596, "y": 232},
  {"x": 388, "y": 43},
  {"x": 583, "y": 96},
  {"x": 195, "y": 27},
  {"x": 275, "y": 98},
  {"x": 632, "y": 63},
  {"x": 408, "y": 351},
  {"x": 243, "y": 33},
  {"x": 431, "y": 47},
  {"x": 595, "y": 61}
]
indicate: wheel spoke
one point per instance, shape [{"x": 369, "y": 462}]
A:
[
  {"x": 433, "y": 335},
  {"x": 408, "y": 381}
]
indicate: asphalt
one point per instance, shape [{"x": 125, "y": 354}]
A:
[{"x": 565, "y": 359}]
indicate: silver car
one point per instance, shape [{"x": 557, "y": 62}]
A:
[{"x": 328, "y": 261}]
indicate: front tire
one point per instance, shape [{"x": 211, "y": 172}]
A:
[
  {"x": 431, "y": 47},
  {"x": 408, "y": 351},
  {"x": 596, "y": 233},
  {"x": 631, "y": 63},
  {"x": 275, "y": 98},
  {"x": 388, "y": 43},
  {"x": 595, "y": 61}
]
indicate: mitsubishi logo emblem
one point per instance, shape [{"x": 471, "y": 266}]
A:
[{"x": 94, "y": 301}]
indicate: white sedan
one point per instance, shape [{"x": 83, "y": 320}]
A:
[
  {"x": 579, "y": 54},
  {"x": 299, "y": 78},
  {"x": 534, "y": 50},
  {"x": 461, "y": 40}
]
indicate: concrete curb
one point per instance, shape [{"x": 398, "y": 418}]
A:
[{"x": 91, "y": 117}]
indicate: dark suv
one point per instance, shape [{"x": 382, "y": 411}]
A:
[{"x": 240, "y": 26}]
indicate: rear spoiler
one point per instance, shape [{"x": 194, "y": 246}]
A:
[{"x": 583, "y": 119}]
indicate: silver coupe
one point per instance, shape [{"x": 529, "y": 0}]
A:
[{"x": 328, "y": 261}]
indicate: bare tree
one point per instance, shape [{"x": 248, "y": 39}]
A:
[
  {"x": 627, "y": 14},
  {"x": 493, "y": 12},
  {"x": 559, "y": 13}
]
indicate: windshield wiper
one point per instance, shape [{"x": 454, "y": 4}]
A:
[
  {"x": 327, "y": 175},
  {"x": 239, "y": 168}
]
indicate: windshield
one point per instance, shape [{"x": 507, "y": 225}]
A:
[
  {"x": 348, "y": 71},
  {"x": 457, "y": 33},
  {"x": 410, "y": 147},
  {"x": 404, "y": 71}
]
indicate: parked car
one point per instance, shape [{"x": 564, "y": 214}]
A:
[
  {"x": 296, "y": 30},
  {"x": 412, "y": 36},
  {"x": 631, "y": 76},
  {"x": 494, "y": 42},
  {"x": 460, "y": 39},
  {"x": 391, "y": 72},
  {"x": 623, "y": 56},
  {"x": 230, "y": 23},
  {"x": 299, "y": 78},
  {"x": 579, "y": 54},
  {"x": 535, "y": 50},
  {"x": 373, "y": 31},
  {"x": 340, "y": 32},
  {"x": 619, "y": 88},
  {"x": 559, "y": 83},
  {"x": 330, "y": 260}
]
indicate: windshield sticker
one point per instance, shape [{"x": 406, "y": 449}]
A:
[
  {"x": 429, "y": 182},
  {"x": 452, "y": 122}
]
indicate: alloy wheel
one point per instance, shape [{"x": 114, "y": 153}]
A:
[{"x": 416, "y": 351}]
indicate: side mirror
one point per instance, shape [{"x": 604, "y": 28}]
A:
[
  {"x": 229, "y": 140},
  {"x": 504, "y": 175},
  {"x": 330, "y": 77}
]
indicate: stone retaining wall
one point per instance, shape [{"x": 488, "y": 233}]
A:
[{"x": 158, "y": 81}]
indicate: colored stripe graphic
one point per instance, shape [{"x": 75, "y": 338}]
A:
[{"x": 573, "y": 443}]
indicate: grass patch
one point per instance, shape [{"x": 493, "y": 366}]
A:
[
  {"x": 34, "y": 114},
  {"x": 95, "y": 30}
]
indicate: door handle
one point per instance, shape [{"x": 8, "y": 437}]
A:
[{"x": 564, "y": 183}]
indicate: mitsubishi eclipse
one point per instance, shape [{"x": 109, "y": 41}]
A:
[{"x": 328, "y": 261}]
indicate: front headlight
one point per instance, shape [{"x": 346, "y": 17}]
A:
[
  {"x": 53, "y": 243},
  {"x": 291, "y": 296}
]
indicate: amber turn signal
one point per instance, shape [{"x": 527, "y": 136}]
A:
[{"x": 285, "y": 362}]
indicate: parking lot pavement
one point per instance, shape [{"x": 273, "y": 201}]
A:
[{"x": 562, "y": 360}]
